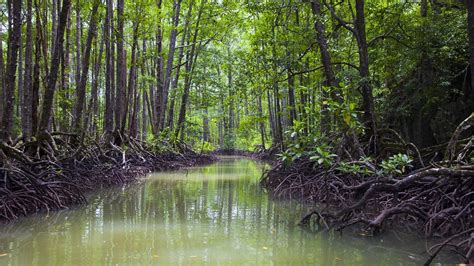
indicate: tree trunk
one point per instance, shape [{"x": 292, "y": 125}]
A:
[
  {"x": 470, "y": 30},
  {"x": 65, "y": 71},
  {"x": 174, "y": 86},
  {"x": 27, "y": 86},
  {"x": 120, "y": 92},
  {"x": 206, "y": 133},
  {"x": 14, "y": 35},
  {"x": 128, "y": 107},
  {"x": 261, "y": 123},
  {"x": 2, "y": 79},
  {"x": 291, "y": 95},
  {"x": 54, "y": 23},
  {"x": 93, "y": 108},
  {"x": 187, "y": 81},
  {"x": 78, "y": 45},
  {"x": 109, "y": 73},
  {"x": 368, "y": 98},
  {"x": 156, "y": 95},
  {"x": 169, "y": 65},
  {"x": 326, "y": 61},
  {"x": 54, "y": 69},
  {"x": 36, "y": 78},
  {"x": 18, "y": 111},
  {"x": 81, "y": 87},
  {"x": 424, "y": 8}
]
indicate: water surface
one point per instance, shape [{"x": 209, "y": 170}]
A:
[{"x": 212, "y": 215}]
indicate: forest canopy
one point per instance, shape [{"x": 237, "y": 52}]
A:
[{"x": 234, "y": 74}]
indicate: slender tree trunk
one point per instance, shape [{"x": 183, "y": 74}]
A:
[
  {"x": 27, "y": 87},
  {"x": 2, "y": 79},
  {"x": 187, "y": 82},
  {"x": 144, "y": 115},
  {"x": 174, "y": 86},
  {"x": 78, "y": 45},
  {"x": 128, "y": 108},
  {"x": 120, "y": 91},
  {"x": 94, "y": 99},
  {"x": 291, "y": 95},
  {"x": 14, "y": 35},
  {"x": 53, "y": 23},
  {"x": 156, "y": 95},
  {"x": 206, "y": 133},
  {"x": 109, "y": 76},
  {"x": 470, "y": 31},
  {"x": 276, "y": 94},
  {"x": 53, "y": 75},
  {"x": 169, "y": 65},
  {"x": 368, "y": 98},
  {"x": 144, "y": 124},
  {"x": 36, "y": 77},
  {"x": 65, "y": 71},
  {"x": 271, "y": 118},
  {"x": 424, "y": 8},
  {"x": 326, "y": 61},
  {"x": 261, "y": 123},
  {"x": 231, "y": 97},
  {"x": 81, "y": 87},
  {"x": 19, "y": 105}
]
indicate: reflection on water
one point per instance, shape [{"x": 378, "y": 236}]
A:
[{"x": 216, "y": 214}]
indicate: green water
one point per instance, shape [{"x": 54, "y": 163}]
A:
[{"x": 213, "y": 215}]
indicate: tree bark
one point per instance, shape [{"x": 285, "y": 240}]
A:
[
  {"x": 120, "y": 95},
  {"x": 174, "y": 86},
  {"x": 157, "y": 94},
  {"x": 93, "y": 109},
  {"x": 36, "y": 77},
  {"x": 128, "y": 108},
  {"x": 163, "y": 101},
  {"x": 78, "y": 44},
  {"x": 14, "y": 35},
  {"x": 325, "y": 59},
  {"x": 470, "y": 30},
  {"x": 53, "y": 75},
  {"x": 2, "y": 79},
  {"x": 109, "y": 73},
  {"x": 187, "y": 81},
  {"x": 81, "y": 87},
  {"x": 206, "y": 133},
  {"x": 65, "y": 71},
  {"x": 26, "y": 116},
  {"x": 368, "y": 98}
]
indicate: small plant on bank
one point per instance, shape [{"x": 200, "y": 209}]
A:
[
  {"x": 323, "y": 156},
  {"x": 355, "y": 169},
  {"x": 396, "y": 164}
]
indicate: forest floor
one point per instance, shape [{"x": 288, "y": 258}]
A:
[{"x": 43, "y": 179}]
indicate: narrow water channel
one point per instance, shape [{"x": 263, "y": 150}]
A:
[{"x": 211, "y": 215}]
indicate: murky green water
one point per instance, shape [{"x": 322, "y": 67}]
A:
[{"x": 214, "y": 215}]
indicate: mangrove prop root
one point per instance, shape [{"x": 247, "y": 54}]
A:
[
  {"x": 57, "y": 176},
  {"x": 437, "y": 201}
]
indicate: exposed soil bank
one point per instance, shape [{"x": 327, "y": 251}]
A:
[{"x": 40, "y": 179}]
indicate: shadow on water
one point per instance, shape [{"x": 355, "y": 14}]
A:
[{"x": 215, "y": 214}]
